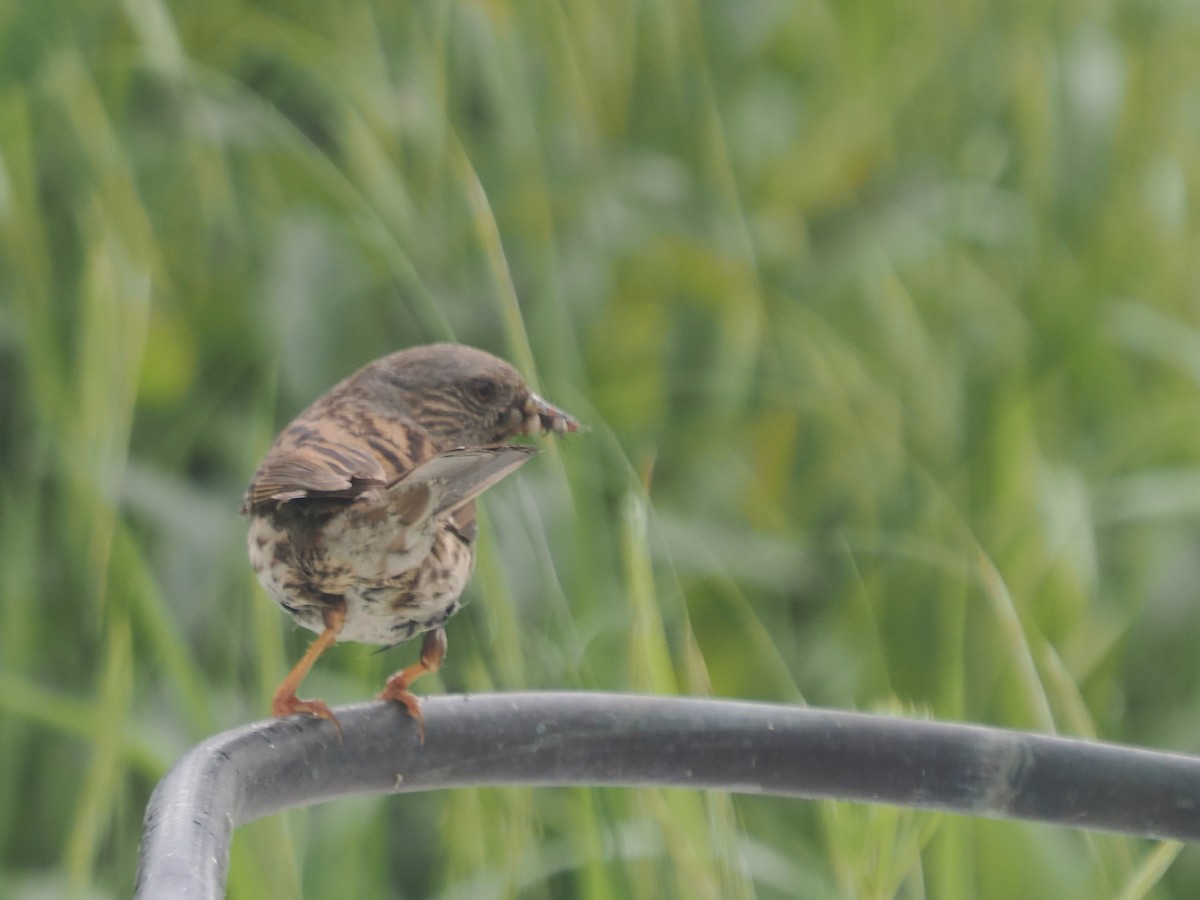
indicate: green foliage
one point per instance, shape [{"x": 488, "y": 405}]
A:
[{"x": 883, "y": 317}]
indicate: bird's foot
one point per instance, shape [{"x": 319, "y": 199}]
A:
[
  {"x": 288, "y": 704},
  {"x": 397, "y": 690}
]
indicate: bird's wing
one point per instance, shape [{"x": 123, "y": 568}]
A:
[
  {"x": 333, "y": 455},
  {"x": 310, "y": 462},
  {"x": 456, "y": 477},
  {"x": 389, "y": 531}
]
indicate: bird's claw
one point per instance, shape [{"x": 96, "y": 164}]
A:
[
  {"x": 397, "y": 691},
  {"x": 293, "y": 705}
]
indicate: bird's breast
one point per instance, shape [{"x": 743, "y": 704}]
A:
[{"x": 396, "y": 583}]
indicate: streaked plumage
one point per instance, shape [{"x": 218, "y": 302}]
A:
[{"x": 363, "y": 510}]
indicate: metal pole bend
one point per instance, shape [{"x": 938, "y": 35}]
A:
[{"x": 560, "y": 739}]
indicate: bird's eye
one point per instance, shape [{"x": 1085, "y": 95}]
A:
[{"x": 483, "y": 390}]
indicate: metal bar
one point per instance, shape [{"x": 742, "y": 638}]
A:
[{"x": 560, "y": 739}]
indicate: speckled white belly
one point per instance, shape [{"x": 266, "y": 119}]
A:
[{"x": 393, "y": 590}]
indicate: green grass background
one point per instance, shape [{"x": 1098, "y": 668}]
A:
[{"x": 885, "y": 318}]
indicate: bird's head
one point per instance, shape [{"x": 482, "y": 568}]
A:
[{"x": 462, "y": 396}]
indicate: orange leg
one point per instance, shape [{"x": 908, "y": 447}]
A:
[
  {"x": 433, "y": 652},
  {"x": 286, "y": 702}
]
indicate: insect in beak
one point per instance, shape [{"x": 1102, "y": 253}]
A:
[{"x": 541, "y": 417}]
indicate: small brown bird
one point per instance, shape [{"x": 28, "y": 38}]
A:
[{"x": 362, "y": 514}]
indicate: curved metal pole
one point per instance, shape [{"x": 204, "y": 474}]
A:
[{"x": 548, "y": 739}]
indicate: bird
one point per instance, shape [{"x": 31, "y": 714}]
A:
[{"x": 363, "y": 511}]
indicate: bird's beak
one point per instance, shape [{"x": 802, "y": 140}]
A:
[{"x": 540, "y": 417}]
